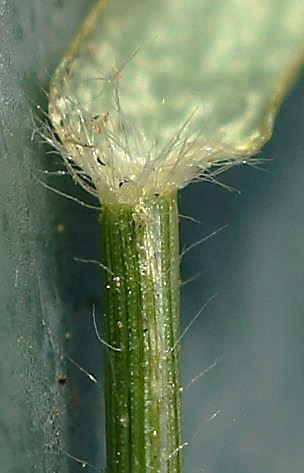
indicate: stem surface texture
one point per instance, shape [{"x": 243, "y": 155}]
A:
[{"x": 143, "y": 391}]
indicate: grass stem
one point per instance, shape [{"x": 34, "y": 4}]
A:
[{"x": 143, "y": 393}]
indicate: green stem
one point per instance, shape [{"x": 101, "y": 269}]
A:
[{"x": 142, "y": 325}]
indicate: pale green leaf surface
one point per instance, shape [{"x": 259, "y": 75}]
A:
[{"x": 152, "y": 65}]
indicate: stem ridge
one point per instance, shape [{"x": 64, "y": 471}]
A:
[{"x": 143, "y": 393}]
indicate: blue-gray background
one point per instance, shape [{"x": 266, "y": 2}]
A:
[{"x": 246, "y": 414}]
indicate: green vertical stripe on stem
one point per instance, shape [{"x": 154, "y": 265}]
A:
[{"x": 142, "y": 325}]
